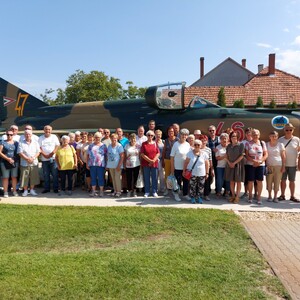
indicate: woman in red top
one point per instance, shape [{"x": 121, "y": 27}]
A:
[{"x": 150, "y": 154}]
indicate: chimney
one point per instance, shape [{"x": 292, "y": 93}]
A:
[
  {"x": 201, "y": 67},
  {"x": 272, "y": 64},
  {"x": 244, "y": 62},
  {"x": 259, "y": 68}
]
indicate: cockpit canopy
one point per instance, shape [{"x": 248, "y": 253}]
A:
[{"x": 170, "y": 96}]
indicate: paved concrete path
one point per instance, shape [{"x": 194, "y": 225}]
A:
[{"x": 279, "y": 242}]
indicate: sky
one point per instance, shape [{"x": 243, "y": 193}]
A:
[{"x": 147, "y": 42}]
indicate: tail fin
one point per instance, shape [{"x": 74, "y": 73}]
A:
[{"x": 14, "y": 103}]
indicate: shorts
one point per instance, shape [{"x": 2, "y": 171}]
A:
[
  {"x": 290, "y": 173},
  {"x": 30, "y": 173},
  {"x": 255, "y": 173},
  {"x": 6, "y": 173}
]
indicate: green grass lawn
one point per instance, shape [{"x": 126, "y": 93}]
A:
[{"x": 129, "y": 253}]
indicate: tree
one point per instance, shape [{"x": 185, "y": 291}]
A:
[
  {"x": 94, "y": 86},
  {"x": 133, "y": 91},
  {"x": 239, "y": 103},
  {"x": 259, "y": 102},
  {"x": 221, "y": 97},
  {"x": 272, "y": 104}
]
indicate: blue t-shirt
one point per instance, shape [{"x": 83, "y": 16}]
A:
[
  {"x": 113, "y": 156},
  {"x": 10, "y": 150}
]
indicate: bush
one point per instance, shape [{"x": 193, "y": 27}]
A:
[
  {"x": 272, "y": 104},
  {"x": 221, "y": 97},
  {"x": 239, "y": 103},
  {"x": 259, "y": 102},
  {"x": 292, "y": 105}
]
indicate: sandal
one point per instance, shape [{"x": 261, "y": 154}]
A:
[
  {"x": 281, "y": 198},
  {"x": 295, "y": 199}
]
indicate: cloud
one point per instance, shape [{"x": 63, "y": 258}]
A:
[
  {"x": 263, "y": 45},
  {"x": 296, "y": 41},
  {"x": 298, "y": 26},
  {"x": 289, "y": 61},
  {"x": 286, "y": 30}
]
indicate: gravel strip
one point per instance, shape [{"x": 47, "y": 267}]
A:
[{"x": 255, "y": 215}]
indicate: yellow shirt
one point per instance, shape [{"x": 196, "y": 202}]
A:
[{"x": 65, "y": 157}]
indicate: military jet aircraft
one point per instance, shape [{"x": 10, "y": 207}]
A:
[{"x": 166, "y": 104}]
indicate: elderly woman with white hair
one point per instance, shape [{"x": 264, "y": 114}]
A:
[
  {"x": 178, "y": 155},
  {"x": 221, "y": 158},
  {"x": 66, "y": 160},
  {"x": 150, "y": 154}
]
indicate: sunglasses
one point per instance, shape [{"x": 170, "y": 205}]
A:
[
  {"x": 150, "y": 135},
  {"x": 9, "y": 134},
  {"x": 211, "y": 130},
  {"x": 288, "y": 129},
  {"x": 197, "y": 145},
  {"x": 106, "y": 132},
  {"x": 234, "y": 136}
]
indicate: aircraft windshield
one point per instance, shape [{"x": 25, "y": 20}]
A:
[
  {"x": 169, "y": 96},
  {"x": 198, "y": 102}
]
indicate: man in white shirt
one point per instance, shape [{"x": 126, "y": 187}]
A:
[
  {"x": 141, "y": 138},
  {"x": 33, "y": 136},
  {"x": 29, "y": 151},
  {"x": 49, "y": 144},
  {"x": 292, "y": 147}
]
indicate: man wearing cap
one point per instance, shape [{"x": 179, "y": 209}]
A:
[
  {"x": 197, "y": 134},
  {"x": 292, "y": 147}
]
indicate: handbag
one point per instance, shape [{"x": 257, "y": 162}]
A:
[
  {"x": 140, "y": 180},
  {"x": 8, "y": 165},
  {"x": 188, "y": 173}
]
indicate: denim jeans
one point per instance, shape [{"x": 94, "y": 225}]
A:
[
  {"x": 50, "y": 167},
  {"x": 97, "y": 175},
  {"x": 150, "y": 172},
  {"x": 220, "y": 181}
]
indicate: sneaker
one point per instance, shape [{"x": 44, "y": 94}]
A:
[
  {"x": 25, "y": 193},
  {"x": 187, "y": 197},
  {"x": 177, "y": 198},
  {"x": 134, "y": 194},
  {"x": 33, "y": 193},
  {"x": 93, "y": 194},
  {"x": 101, "y": 194},
  {"x": 275, "y": 200},
  {"x": 129, "y": 194},
  {"x": 259, "y": 202},
  {"x": 6, "y": 195},
  {"x": 245, "y": 195},
  {"x": 206, "y": 198},
  {"x": 15, "y": 194},
  {"x": 166, "y": 192},
  {"x": 146, "y": 195},
  {"x": 155, "y": 195},
  {"x": 250, "y": 201},
  {"x": 118, "y": 195},
  {"x": 270, "y": 200},
  {"x": 45, "y": 191},
  {"x": 199, "y": 200},
  {"x": 193, "y": 200}
]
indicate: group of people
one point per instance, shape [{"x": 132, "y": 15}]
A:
[{"x": 97, "y": 160}]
